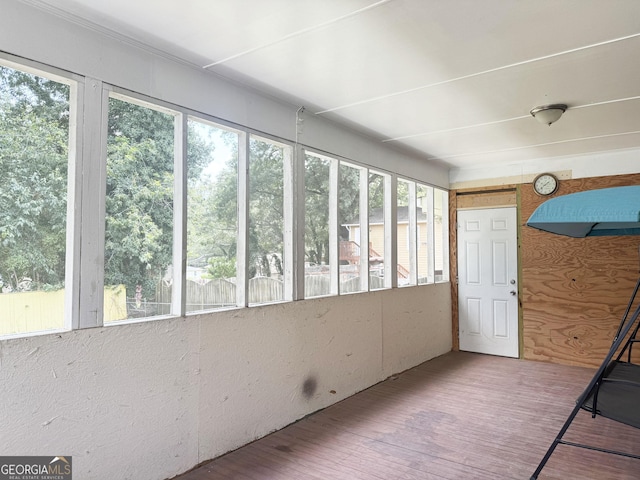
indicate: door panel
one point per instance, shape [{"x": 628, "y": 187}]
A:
[
  {"x": 487, "y": 274},
  {"x": 473, "y": 263},
  {"x": 473, "y": 316}
]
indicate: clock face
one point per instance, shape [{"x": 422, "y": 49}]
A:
[{"x": 545, "y": 184}]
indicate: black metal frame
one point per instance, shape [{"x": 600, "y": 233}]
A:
[{"x": 626, "y": 325}]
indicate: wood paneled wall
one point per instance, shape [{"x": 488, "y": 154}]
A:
[{"x": 574, "y": 291}]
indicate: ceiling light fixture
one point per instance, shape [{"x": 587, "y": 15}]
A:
[{"x": 548, "y": 114}]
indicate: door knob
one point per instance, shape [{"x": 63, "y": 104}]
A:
[{"x": 512, "y": 292}]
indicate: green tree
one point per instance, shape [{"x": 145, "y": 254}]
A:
[
  {"x": 220, "y": 267},
  {"x": 34, "y": 125},
  {"x": 215, "y": 214},
  {"x": 34, "y": 133},
  {"x": 266, "y": 208},
  {"x": 213, "y": 211},
  {"x": 139, "y": 200},
  {"x": 348, "y": 198},
  {"x": 316, "y": 236}
]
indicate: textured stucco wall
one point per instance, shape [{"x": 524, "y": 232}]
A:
[
  {"x": 151, "y": 400},
  {"x": 120, "y": 400}
]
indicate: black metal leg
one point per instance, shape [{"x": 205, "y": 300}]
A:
[
  {"x": 563, "y": 430},
  {"x": 622, "y": 334}
]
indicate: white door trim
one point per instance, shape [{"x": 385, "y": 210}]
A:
[{"x": 488, "y": 306}]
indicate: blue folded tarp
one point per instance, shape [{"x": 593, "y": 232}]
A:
[{"x": 608, "y": 211}]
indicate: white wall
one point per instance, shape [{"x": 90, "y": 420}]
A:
[
  {"x": 602, "y": 164},
  {"x": 151, "y": 400}
]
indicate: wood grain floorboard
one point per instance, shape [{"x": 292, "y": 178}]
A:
[{"x": 459, "y": 416}]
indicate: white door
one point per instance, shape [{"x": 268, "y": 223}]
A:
[{"x": 487, "y": 281}]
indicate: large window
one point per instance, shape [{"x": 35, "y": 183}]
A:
[
  {"x": 212, "y": 216},
  {"x": 317, "y": 248},
  {"x": 424, "y": 221},
  {"x": 441, "y": 234},
  {"x": 422, "y": 247},
  {"x": 139, "y": 210},
  {"x": 378, "y": 233},
  {"x": 35, "y": 115},
  {"x": 353, "y": 251},
  {"x": 266, "y": 221},
  {"x": 336, "y": 192},
  {"x": 406, "y": 245}
]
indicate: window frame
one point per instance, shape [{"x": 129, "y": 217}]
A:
[
  {"x": 289, "y": 214},
  {"x": 178, "y": 297},
  {"x": 86, "y": 183},
  {"x": 210, "y": 122},
  {"x": 75, "y": 167}
]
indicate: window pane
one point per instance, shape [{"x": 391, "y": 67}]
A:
[
  {"x": 212, "y": 216},
  {"x": 424, "y": 204},
  {"x": 349, "y": 218},
  {"x": 34, "y": 157},
  {"x": 316, "y": 235},
  {"x": 441, "y": 234},
  {"x": 376, "y": 231},
  {"x": 266, "y": 222},
  {"x": 139, "y": 210},
  {"x": 404, "y": 244}
]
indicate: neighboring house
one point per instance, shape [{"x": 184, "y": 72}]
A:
[
  {"x": 197, "y": 274},
  {"x": 376, "y": 242}
]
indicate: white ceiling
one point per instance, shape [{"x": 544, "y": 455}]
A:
[{"x": 453, "y": 79}]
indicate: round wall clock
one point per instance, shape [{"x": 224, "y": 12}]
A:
[{"x": 545, "y": 184}]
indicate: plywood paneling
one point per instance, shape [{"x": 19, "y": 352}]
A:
[
  {"x": 574, "y": 291},
  {"x": 453, "y": 268},
  {"x": 490, "y": 199}
]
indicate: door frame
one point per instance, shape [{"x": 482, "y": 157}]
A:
[{"x": 481, "y": 198}]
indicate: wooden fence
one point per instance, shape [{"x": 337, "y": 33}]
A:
[
  {"x": 221, "y": 293},
  {"x": 26, "y": 312}
]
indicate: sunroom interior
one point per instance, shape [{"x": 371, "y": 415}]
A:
[{"x": 219, "y": 218}]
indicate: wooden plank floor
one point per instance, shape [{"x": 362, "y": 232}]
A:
[{"x": 459, "y": 416}]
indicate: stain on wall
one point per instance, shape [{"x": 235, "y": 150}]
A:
[{"x": 309, "y": 387}]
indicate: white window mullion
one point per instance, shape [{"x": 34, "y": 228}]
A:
[
  {"x": 445, "y": 235},
  {"x": 242, "y": 254},
  {"x": 390, "y": 231},
  {"x": 299, "y": 201},
  {"x": 92, "y": 219},
  {"x": 413, "y": 235},
  {"x": 334, "y": 228},
  {"x": 431, "y": 250},
  {"x": 74, "y": 207},
  {"x": 179, "y": 290},
  {"x": 289, "y": 220},
  {"x": 364, "y": 229}
]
